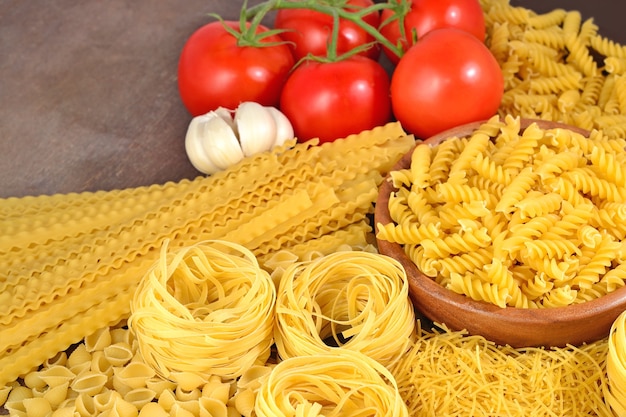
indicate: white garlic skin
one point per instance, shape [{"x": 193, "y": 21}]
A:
[{"x": 221, "y": 138}]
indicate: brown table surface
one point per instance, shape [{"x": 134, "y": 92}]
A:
[{"x": 88, "y": 95}]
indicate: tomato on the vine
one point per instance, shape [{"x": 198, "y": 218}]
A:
[
  {"x": 330, "y": 100},
  {"x": 214, "y": 70},
  {"x": 309, "y": 31},
  {"x": 426, "y": 15},
  {"x": 448, "y": 78}
]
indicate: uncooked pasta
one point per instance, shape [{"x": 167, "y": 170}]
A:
[
  {"x": 333, "y": 384},
  {"x": 615, "y": 394},
  {"x": 207, "y": 309},
  {"x": 353, "y": 300},
  {"x": 526, "y": 218},
  {"x": 451, "y": 373}
]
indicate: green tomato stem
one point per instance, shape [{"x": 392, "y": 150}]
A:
[{"x": 335, "y": 9}]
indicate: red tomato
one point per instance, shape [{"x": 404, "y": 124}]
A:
[
  {"x": 214, "y": 71},
  {"x": 331, "y": 100},
  {"x": 446, "y": 79},
  {"x": 427, "y": 15},
  {"x": 309, "y": 31}
]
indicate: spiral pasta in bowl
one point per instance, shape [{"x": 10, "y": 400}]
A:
[{"x": 511, "y": 228}]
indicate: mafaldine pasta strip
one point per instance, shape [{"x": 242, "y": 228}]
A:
[
  {"x": 21, "y": 232},
  {"x": 74, "y": 280}
]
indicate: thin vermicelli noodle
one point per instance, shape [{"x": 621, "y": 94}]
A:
[
  {"x": 331, "y": 384},
  {"x": 205, "y": 310},
  {"x": 353, "y": 300},
  {"x": 615, "y": 394}
]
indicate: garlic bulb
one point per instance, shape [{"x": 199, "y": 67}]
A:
[{"x": 217, "y": 139}]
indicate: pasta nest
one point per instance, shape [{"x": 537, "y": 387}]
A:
[
  {"x": 350, "y": 300},
  {"x": 341, "y": 383},
  {"x": 205, "y": 310}
]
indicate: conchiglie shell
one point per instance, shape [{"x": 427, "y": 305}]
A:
[
  {"x": 253, "y": 377},
  {"x": 89, "y": 383},
  {"x": 98, "y": 340},
  {"x": 106, "y": 400},
  {"x": 58, "y": 359},
  {"x": 18, "y": 394},
  {"x": 78, "y": 358},
  {"x": 167, "y": 399},
  {"x": 57, "y": 394},
  {"x": 100, "y": 364},
  {"x": 218, "y": 390},
  {"x": 16, "y": 408},
  {"x": 85, "y": 405},
  {"x": 37, "y": 407},
  {"x": 244, "y": 402},
  {"x": 140, "y": 397},
  {"x": 232, "y": 412},
  {"x": 4, "y": 393},
  {"x": 121, "y": 336},
  {"x": 187, "y": 380},
  {"x": 158, "y": 385},
  {"x": 33, "y": 380},
  {"x": 69, "y": 411},
  {"x": 134, "y": 374},
  {"x": 211, "y": 407},
  {"x": 56, "y": 375},
  {"x": 122, "y": 408},
  {"x": 119, "y": 354},
  {"x": 184, "y": 395},
  {"x": 180, "y": 411},
  {"x": 153, "y": 410},
  {"x": 192, "y": 406}
]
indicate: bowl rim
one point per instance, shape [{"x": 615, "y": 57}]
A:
[{"x": 420, "y": 285}]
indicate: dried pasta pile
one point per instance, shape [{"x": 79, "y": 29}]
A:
[
  {"x": 339, "y": 383},
  {"x": 357, "y": 301},
  {"x": 206, "y": 310},
  {"x": 449, "y": 373},
  {"x": 558, "y": 67},
  {"x": 70, "y": 265},
  {"x": 615, "y": 393},
  {"x": 77, "y": 271},
  {"x": 526, "y": 218}
]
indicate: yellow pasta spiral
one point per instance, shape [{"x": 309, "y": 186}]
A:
[
  {"x": 356, "y": 301},
  {"x": 342, "y": 383},
  {"x": 205, "y": 310}
]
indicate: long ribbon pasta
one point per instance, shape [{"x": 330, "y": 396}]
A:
[
  {"x": 355, "y": 300},
  {"x": 205, "y": 310},
  {"x": 342, "y": 383}
]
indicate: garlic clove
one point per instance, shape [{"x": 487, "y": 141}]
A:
[
  {"x": 227, "y": 115},
  {"x": 256, "y": 128},
  {"x": 198, "y": 157},
  {"x": 284, "y": 128},
  {"x": 220, "y": 143}
]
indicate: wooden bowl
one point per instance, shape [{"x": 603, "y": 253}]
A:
[{"x": 518, "y": 327}]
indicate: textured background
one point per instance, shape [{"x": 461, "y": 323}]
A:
[{"x": 88, "y": 96}]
